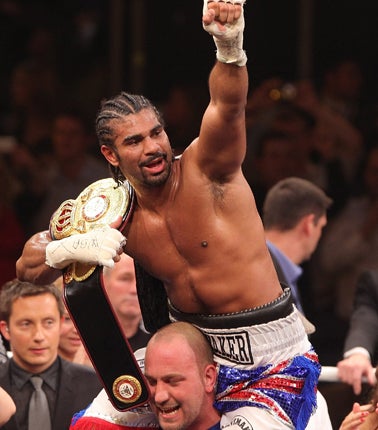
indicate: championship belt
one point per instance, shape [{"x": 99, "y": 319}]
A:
[{"x": 101, "y": 203}]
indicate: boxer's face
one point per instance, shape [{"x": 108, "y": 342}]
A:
[{"x": 141, "y": 149}]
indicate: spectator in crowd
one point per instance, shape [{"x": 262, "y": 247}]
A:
[
  {"x": 339, "y": 141},
  {"x": 350, "y": 242},
  {"x": 72, "y": 167},
  {"x": 273, "y": 158},
  {"x": 70, "y": 341},
  {"x": 30, "y": 319},
  {"x": 361, "y": 343},
  {"x": 341, "y": 87},
  {"x": 328, "y": 148},
  {"x": 70, "y": 346},
  {"x": 29, "y": 116},
  {"x": 182, "y": 110},
  {"x": 358, "y": 419},
  {"x": 363, "y": 417},
  {"x": 294, "y": 215},
  {"x": 120, "y": 285}
]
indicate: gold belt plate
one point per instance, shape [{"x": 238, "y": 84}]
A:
[{"x": 99, "y": 204}]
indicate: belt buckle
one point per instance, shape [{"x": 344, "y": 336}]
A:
[{"x": 99, "y": 204}]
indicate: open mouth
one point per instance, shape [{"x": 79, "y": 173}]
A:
[
  {"x": 155, "y": 166},
  {"x": 168, "y": 412}
]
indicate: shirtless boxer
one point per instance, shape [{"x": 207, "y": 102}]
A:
[{"x": 196, "y": 228}]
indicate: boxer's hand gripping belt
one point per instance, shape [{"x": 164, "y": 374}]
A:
[{"x": 97, "y": 247}]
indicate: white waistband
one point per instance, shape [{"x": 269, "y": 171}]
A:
[{"x": 259, "y": 345}]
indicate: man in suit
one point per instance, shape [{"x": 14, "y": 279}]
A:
[
  {"x": 361, "y": 342},
  {"x": 30, "y": 319},
  {"x": 294, "y": 215}
]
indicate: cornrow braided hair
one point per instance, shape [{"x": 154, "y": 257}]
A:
[{"x": 115, "y": 109}]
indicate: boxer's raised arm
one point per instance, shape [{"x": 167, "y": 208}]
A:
[
  {"x": 31, "y": 266},
  {"x": 222, "y": 139}
]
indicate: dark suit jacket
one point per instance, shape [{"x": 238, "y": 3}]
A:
[
  {"x": 78, "y": 386},
  {"x": 363, "y": 329}
]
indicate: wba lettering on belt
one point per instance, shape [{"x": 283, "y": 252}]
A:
[{"x": 232, "y": 346}]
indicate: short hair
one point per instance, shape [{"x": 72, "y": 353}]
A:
[
  {"x": 196, "y": 340},
  {"x": 13, "y": 290},
  {"x": 116, "y": 108},
  {"x": 290, "y": 199}
]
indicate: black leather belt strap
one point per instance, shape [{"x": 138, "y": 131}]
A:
[
  {"x": 101, "y": 203},
  {"x": 279, "y": 308},
  {"x": 105, "y": 343}
]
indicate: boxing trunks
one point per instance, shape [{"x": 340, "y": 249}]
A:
[{"x": 265, "y": 361}]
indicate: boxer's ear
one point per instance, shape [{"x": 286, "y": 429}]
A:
[{"x": 110, "y": 155}]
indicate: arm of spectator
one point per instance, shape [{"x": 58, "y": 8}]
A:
[
  {"x": 362, "y": 336},
  {"x": 7, "y": 407}
]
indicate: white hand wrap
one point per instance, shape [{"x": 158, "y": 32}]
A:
[
  {"x": 98, "y": 247},
  {"x": 229, "y": 42}
]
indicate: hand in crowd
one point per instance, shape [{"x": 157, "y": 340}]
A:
[
  {"x": 353, "y": 369},
  {"x": 356, "y": 417}
]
